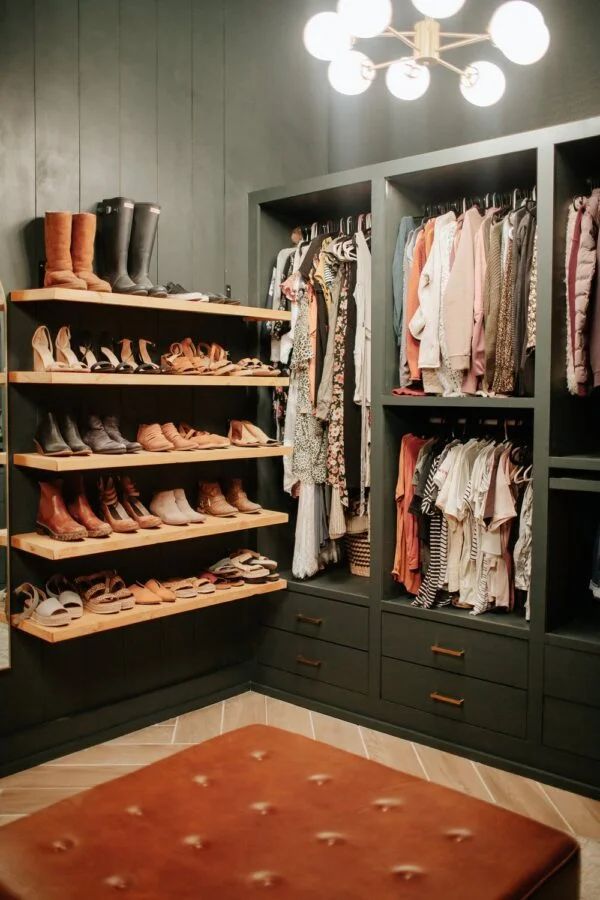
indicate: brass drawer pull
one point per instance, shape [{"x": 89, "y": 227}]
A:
[
  {"x": 441, "y": 698},
  {"x": 308, "y": 620},
  {"x": 313, "y": 663},
  {"x": 445, "y": 651}
]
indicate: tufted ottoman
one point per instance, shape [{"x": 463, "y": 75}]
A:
[{"x": 260, "y": 810}]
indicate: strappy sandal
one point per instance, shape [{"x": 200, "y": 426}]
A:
[
  {"x": 245, "y": 561},
  {"x": 43, "y": 352},
  {"x": 220, "y": 582},
  {"x": 64, "y": 351},
  {"x": 61, "y": 588},
  {"x": 200, "y": 362},
  {"x": 176, "y": 362},
  {"x": 145, "y": 365},
  {"x": 89, "y": 355},
  {"x": 250, "y": 574},
  {"x": 41, "y": 609},
  {"x": 117, "y": 586},
  {"x": 203, "y": 585},
  {"x": 162, "y": 592},
  {"x": 219, "y": 362},
  {"x": 256, "y": 559},
  {"x": 183, "y": 588},
  {"x": 250, "y": 365},
  {"x": 96, "y": 595}
]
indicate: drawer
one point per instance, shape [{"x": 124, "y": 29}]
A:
[
  {"x": 329, "y": 620},
  {"x": 572, "y": 727},
  {"x": 460, "y": 650},
  {"x": 572, "y": 675},
  {"x": 470, "y": 700},
  {"x": 318, "y": 660}
]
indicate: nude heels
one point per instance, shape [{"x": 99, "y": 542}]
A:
[{"x": 43, "y": 352}]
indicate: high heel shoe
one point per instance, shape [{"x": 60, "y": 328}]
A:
[
  {"x": 107, "y": 349},
  {"x": 64, "y": 351},
  {"x": 134, "y": 506},
  {"x": 258, "y": 434},
  {"x": 89, "y": 353},
  {"x": 218, "y": 360},
  {"x": 112, "y": 509},
  {"x": 43, "y": 352},
  {"x": 145, "y": 365}
]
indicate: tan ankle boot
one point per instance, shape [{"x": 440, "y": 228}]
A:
[
  {"x": 212, "y": 502},
  {"x": 237, "y": 496},
  {"x": 59, "y": 265},
  {"x": 82, "y": 252}
]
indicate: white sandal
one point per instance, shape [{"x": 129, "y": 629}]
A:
[
  {"x": 60, "y": 587},
  {"x": 41, "y": 609}
]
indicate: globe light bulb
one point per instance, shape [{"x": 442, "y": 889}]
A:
[
  {"x": 483, "y": 83},
  {"x": 439, "y": 9},
  {"x": 519, "y": 31},
  {"x": 325, "y": 36},
  {"x": 351, "y": 73},
  {"x": 365, "y": 18},
  {"x": 407, "y": 79}
]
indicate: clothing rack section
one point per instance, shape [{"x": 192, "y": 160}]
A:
[
  {"x": 324, "y": 278},
  {"x": 464, "y": 503},
  {"x": 465, "y": 296}
]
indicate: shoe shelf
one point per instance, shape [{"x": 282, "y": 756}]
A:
[
  {"x": 464, "y": 402},
  {"x": 92, "y": 623},
  {"x": 2, "y": 377},
  {"x": 50, "y": 548},
  {"x": 3, "y": 457},
  {"x": 99, "y": 461},
  {"x": 202, "y": 307},
  {"x": 3, "y": 537},
  {"x": 92, "y": 379}
]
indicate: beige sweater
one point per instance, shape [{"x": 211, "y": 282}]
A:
[{"x": 459, "y": 299}]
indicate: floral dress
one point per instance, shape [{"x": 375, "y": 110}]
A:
[{"x": 336, "y": 461}]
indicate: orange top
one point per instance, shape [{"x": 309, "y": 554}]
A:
[
  {"x": 423, "y": 245},
  {"x": 407, "y": 560}
]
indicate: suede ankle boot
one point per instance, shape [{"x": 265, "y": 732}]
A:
[
  {"x": 238, "y": 498},
  {"x": 80, "y": 509},
  {"x": 82, "y": 252},
  {"x": 212, "y": 502},
  {"x": 53, "y": 517},
  {"x": 59, "y": 265}
]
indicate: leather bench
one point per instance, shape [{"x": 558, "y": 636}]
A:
[{"x": 261, "y": 809}]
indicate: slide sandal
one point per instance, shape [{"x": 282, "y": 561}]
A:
[
  {"x": 61, "y": 588},
  {"x": 41, "y": 609}
]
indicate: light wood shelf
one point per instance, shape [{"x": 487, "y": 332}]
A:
[
  {"x": 94, "y": 379},
  {"x": 92, "y": 623},
  {"x": 167, "y": 304},
  {"x": 3, "y": 457},
  {"x": 50, "y": 548},
  {"x": 2, "y": 377},
  {"x": 3, "y": 537},
  {"x": 99, "y": 461}
]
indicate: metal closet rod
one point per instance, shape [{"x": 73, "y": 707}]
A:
[
  {"x": 344, "y": 225},
  {"x": 491, "y": 198}
]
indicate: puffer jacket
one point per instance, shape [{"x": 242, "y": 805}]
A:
[{"x": 581, "y": 273}]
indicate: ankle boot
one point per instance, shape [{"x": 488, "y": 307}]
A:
[
  {"x": 237, "y": 496},
  {"x": 134, "y": 507},
  {"x": 59, "y": 265},
  {"x": 165, "y": 507},
  {"x": 212, "y": 502},
  {"x": 69, "y": 428},
  {"x": 80, "y": 509},
  {"x": 97, "y": 438},
  {"x": 183, "y": 505},
  {"x": 112, "y": 509},
  {"x": 143, "y": 235},
  {"x": 111, "y": 426},
  {"x": 82, "y": 252},
  {"x": 48, "y": 439},
  {"x": 53, "y": 517},
  {"x": 116, "y": 219}
]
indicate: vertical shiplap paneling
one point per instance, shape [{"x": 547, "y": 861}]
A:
[
  {"x": 208, "y": 141},
  {"x": 175, "y": 245},
  {"x": 98, "y": 100},
  {"x": 138, "y": 120},
  {"x": 17, "y": 145}
]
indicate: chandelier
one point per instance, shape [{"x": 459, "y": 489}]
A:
[{"x": 517, "y": 28}]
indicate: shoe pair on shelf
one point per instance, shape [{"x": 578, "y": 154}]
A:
[
  {"x": 163, "y": 438},
  {"x": 61, "y": 436},
  {"x": 173, "y": 508},
  {"x": 123, "y": 508},
  {"x": 246, "y": 565},
  {"x": 178, "y": 292},
  {"x": 65, "y": 513},
  {"x": 127, "y": 235},
  {"x": 187, "y": 358},
  {"x": 69, "y": 239},
  {"x": 243, "y": 433},
  {"x": 88, "y": 355},
  {"x": 213, "y": 501}
]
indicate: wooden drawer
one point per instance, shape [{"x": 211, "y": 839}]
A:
[
  {"x": 572, "y": 727},
  {"x": 476, "y": 702},
  {"x": 572, "y": 675},
  {"x": 460, "y": 650},
  {"x": 314, "y": 659},
  {"x": 329, "y": 620}
]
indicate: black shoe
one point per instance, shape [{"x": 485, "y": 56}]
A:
[
  {"x": 115, "y": 218},
  {"x": 48, "y": 439},
  {"x": 111, "y": 426},
  {"x": 143, "y": 235},
  {"x": 99, "y": 440},
  {"x": 72, "y": 436},
  {"x": 89, "y": 352}
]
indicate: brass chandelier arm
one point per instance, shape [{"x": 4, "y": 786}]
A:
[
  {"x": 447, "y": 65},
  {"x": 465, "y": 41},
  {"x": 405, "y": 36}
]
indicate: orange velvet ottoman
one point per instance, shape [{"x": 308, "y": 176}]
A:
[{"x": 260, "y": 810}]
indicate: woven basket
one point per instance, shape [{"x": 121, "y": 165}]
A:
[{"x": 358, "y": 548}]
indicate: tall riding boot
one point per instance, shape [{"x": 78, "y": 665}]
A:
[
  {"x": 82, "y": 251},
  {"x": 143, "y": 235},
  {"x": 59, "y": 265},
  {"x": 53, "y": 517},
  {"x": 116, "y": 219}
]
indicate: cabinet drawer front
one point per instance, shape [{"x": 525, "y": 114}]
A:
[
  {"x": 572, "y": 675},
  {"x": 314, "y": 659},
  {"x": 572, "y": 727},
  {"x": 469, "y": 700},
  {"x": 455, "y": 649},
  {"x": 329, "y": 620}
]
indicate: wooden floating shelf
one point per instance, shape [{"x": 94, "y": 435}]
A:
[
  {"x": 92, "y": 623},
  {"x": 50, "y": 548},
  {"x": 90, "y": 379},
  {"x": 136, "y": 460},
  {"x": 3, "y": 457},
  {"x": 3, "y": 537},
  {"x": 585, "y": 485},
  {"x": 168, "y": 304},
  {"x": 2, "y": 377},
  {"x": 466, "y": 402}
]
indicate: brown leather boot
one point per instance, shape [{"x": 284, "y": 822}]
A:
[
  {"x": 80, "y": 509},
  {"x": 112, "y": 508},
  {"x": 237, "y": 496},
  {"x": 53, "y": 518},
  {"x": 134, "y": 506},
  {"x": 82, "y": 252},
  {"x": 59, "y": 265},
  {"x": 212, "y": 502}
]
